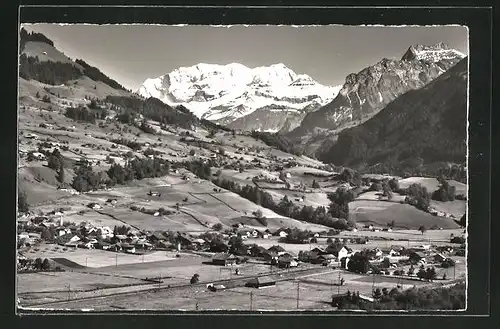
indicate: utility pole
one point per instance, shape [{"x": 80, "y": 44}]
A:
[
  {"x": 197, "y": 306},
  {"x": 373, "y": 283},
  {"x": 159, "y": 281},
  {"x": 338, "y": 285},
  {"x": 454, "y": 266},
  {"x": 143, "y": 258},
  {"x": 298, "y": 292},
  {"x": 251, "y": 300},
  {"x": 116, "y": 260},
  {"x": 86, "y": 264},
  {"x": 69, "y": 291}
]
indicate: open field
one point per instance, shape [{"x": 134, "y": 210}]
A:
[
  {"x": 96, "y": 258},
  {"x": 313, "y": 292},
  {"x": 456, "y": 207},
  {"x": 405, "y": 216},
  {"x": 403, "y": 235},
  {"x": 376, "y": 196},
  {"x": 59, "y": 281},
  {"x": 432, "y": 184}
]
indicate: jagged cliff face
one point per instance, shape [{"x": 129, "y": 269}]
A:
[
  {"x": 370, "y": 90},
  {"x": 428, "y": 124}
]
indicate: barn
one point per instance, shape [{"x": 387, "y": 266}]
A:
[{"x": 261, "y": 282}]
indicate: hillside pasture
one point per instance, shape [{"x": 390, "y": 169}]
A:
[
  {"x": 379, "y": 213},
  {"x": 456, "y": 207},
  {"x": 38, "y": 192},
  {"x": 377, "y": 196},
  {"x": 176, "y": 222},
  {"x": 46, "y": 52},
  {"x": 432, "y": 184}
]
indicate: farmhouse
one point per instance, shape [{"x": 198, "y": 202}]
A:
[
  {"x": 183, "y": 239},
  {"x": 86, "y": 245},
  {"x": 257, "y": 251},
  {"x": 115, "y": 247},
  {"x": 286, "y": 261},
  {"x": 102, "y": 245},
  {"x": 337, "y": 299},
  {"x": 261, "y": 282},
  {"x": 416, "y": 256},
  {"x": 128, "y": 248},
  {"x": 23, "y": 235},
  {"x": 224, "y": 259},
  {"x": 270, "y": 256},
  {"x": 94, "y": 205},
  {"x": 277, "y": 249},
  {"x": 39, "y": 156},
  {"x": 318, "y": 251},
  {"x": 324, "y": 259},
  {"x": 73, "y": 244},
  {"x": 439, "y": 257},
  {"x": 338, "y": 251}
]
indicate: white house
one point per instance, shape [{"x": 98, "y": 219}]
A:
[
  {"x": 23, "y": 235},
  {"x": 63, "y": 231},
  {"x": 344, "y": 252},
  {"x": 39, "y": 156},
  {"x": 283, "y": 234},
  {"x": 266, "y": 236},
  {"x": 316, "y": 235},
  {"x": 74, "y": 238},
  {"x": 88, "y": 245}
]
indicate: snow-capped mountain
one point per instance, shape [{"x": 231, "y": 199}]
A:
[
  {"x": 432, "y": 53},
  {"x": 225, "y": 93}
]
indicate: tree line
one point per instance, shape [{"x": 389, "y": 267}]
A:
[
  {"x": 25, "y": 36},
  {"x": 427, "y": 298},
  {"x": 96, "y": 75},
  {"x": 336, "y": 217},
  {"x": 49, "y": 72},
  {"x": 81, "y": 113},
  {"x": 278, "y": 141}
]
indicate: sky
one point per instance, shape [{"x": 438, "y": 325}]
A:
[{"x": 132, "y": 53}]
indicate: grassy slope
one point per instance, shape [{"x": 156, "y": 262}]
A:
[
  {"x": 36, "y": 48},
  {"x": 404, "y": 216}
]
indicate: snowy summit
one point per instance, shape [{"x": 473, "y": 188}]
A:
[{"x": 228, "y": 92}]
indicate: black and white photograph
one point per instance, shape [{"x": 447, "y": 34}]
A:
[{"x": 250, "y": 168}]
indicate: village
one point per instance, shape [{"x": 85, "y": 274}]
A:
[
  {"x": 253, "y": 258},
  {"x": 123, "y": 215}
]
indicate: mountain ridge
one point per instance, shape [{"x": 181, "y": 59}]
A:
[
  {"x": 372, "y": 88},
  {"x": 422, "y": 126}
]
